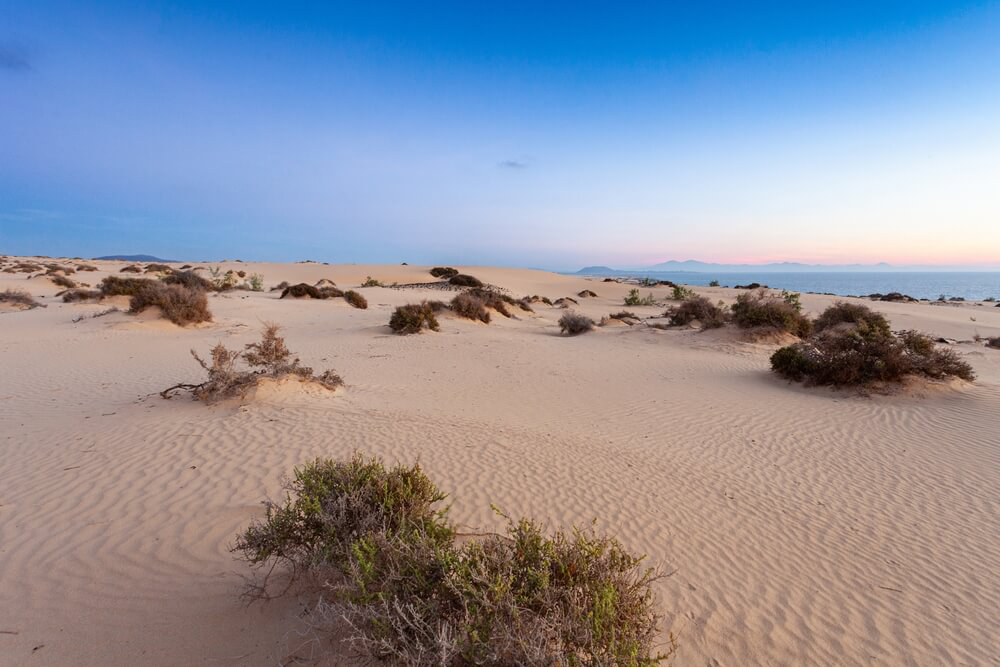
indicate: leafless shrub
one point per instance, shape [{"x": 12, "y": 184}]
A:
[
  {"x": 19, "y": 297},
  {"x": 62, "y": 281},
  {"x": 413, "y": 317},
  {"x": 116, "y": 286},
  {"x": 86, "y": 267},
  {"x": 356, "y": 299},
  {"x": 564, "y": 302},
  {"x": 573, "y": 324},
  {"x": 189, "y": 279},
  {"x": 181, "y": 305},
  {"x": 157, "y": 268},
  {"x": 132, "y": 268},
  {"x": 470, "y": 307},
  {"x": 74, "y": 295},
  {"x": 463, "y": 280},
  {"x": 697, "y": 308},
  {"x": 584, "y": 294},
  {"x": 268, "y": 358}
]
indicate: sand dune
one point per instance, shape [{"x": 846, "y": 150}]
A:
[{"x": 803, "y": 526}]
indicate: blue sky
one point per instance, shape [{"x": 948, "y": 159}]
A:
[{"x": 528, "y": 134}]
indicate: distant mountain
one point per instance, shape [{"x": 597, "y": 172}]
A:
[
  {"x": 137, "y": 258},
  {"x": 694, "y": 266}
]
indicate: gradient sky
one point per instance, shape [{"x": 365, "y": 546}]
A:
[{"x": 528, "y": 134}]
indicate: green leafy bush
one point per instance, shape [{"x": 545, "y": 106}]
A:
[
  {"x": 760, "y": 310},
  {"x": 633, "y": 299},
  {"x": 371, "y": 282},
  {"x": 697, "y": 308},
  {"x": 842, "y": 312},
  {"x": 682, "y": 293},
  {"x": 415, "y": 596}
]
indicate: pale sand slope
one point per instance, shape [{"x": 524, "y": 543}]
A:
[{"x": 806, "y": 527}]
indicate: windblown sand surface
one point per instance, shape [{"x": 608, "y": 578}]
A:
[{"x": 803, "y": 526}]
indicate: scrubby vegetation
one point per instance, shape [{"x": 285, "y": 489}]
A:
[
  {"x": 86, "y": 267},
  {"x": 371, "y": 282},
  {"x": 268, "y": 358},
  {"x": 574, "y": 323},
  {"x": 536, "y": 299},
  {"x": 633, "y": 299},
  {"x": 305, "y": 289},
  {"x": 855, "y": 347},
  {"x": 415, "y": 595},
  {"x": 763, "y": 311},
  {"x": 413, "y": 317},
  {"x": 18, "y": 297},
  {"x": 563, "y": 302},
  {"x": 624, "y": 315},
  {"x": 181, "y": 305},
  {"x": 584, "y": 294},
  {"x": 463, "y": 280},
  {"x": 131, "y": 269},
  {"x": 993, "y": 342},
  {"x": 699, "y": 308},
  {"x": 470, "y": 307},
  {"x": 356, "y": 299},
  {"x": 443, "y": 272},
  {"x": 73, "y": 295},
  {"x": 189, "y": 279},
  {"x": 116, "y": 286},
  {"x": 842, "y": 312},
  {"x": 158, "y": 268},
  {"x": 62, "y": 281},
  {"x": 682, "y": 293}
]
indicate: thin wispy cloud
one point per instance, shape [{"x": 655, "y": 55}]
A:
[
  {"x": 13, "y": 57},
  {"x": 513, "y": 164}
]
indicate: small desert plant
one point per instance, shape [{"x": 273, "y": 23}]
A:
[
  {"x": 633, "y": 299},
  {"x": 19, "y": 298},
  {"x": 268, "y": 358},
  {"x": 583, "y": 294},
  {"x": 181, "y": 305},
  {"x": 682, "y": 293},
  {"x": 356, "y": 299},
  {"x": 563, "y": 302},
  {"x": 494, "y": 300},
  {"x": 223, "y": 281},
  {"x": 305, "y": 289},
  {"x": 371, "y": 282},
  {"x": 574, "y": 323},
  {"x": 86, "y": 267},
  {"x": 624, "y": 315},
  {"x": 73, "y": 295},
  {"x": 713, "y": 283},
  {"x": 793, "y": 299},
  {"x": 697, "y": 308},
  {"x": 413, "y": 595},
  {"x": 842, "y": 312},
  {"x": 865, "y": 354},
  {"x": 760, "y": 310},
  {"x": 256, "y": 282},
  {"x": 158, "y": 268},
  {"x": 132, "y": 268},
  {"x": 443, "y": 272},
  {"x": 280, "y": 286},
  {"x": 993, "y": 342},
  {"x": 62, "y": 281},
  {"x": 413, "y": 317},
  {"x": 116, "y": 286},
  {"x": 463, "y": 280},
  {"x": 189, "y": 279},
  {"x": 470, "y": 307}
]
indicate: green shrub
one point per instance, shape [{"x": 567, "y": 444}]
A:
[
  {"x": 371, "y": 282},
  {"x": 633, "y": 299},
  {"x": 413, "y": 317},
  {"x": 697, "y": 308},
  {"x": 758, "y": 309},
  {"x": 682, "y": 293},
  {"x": 713, "y": 283},
  {"x": 463, "y": 280},
  {"x": 356, "y": 299},
  {"x": 573, "y": 324},
  {"x": 179, "y": 304},
  {"x": 443, "y": 272},
  {"x": 256, "y": 282},
  {"x": 414, "y": 596}
]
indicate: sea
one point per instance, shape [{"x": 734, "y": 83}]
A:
[{"x": 932, "y": 285}]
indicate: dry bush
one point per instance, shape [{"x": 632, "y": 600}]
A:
[
  {"x": 25, "y": 267},
  {"x": 116, "y": 286},
  {"x": 303, "y": 289},
  {"x": 583, "y": 294},
  {"x": 574, "y": 323},
  {"x": 413, "y": 317},
  {"x": 132, "y": 268},
  {"x": 463, "y": 280},
  {"x": 86, "y": 267},
  {"x": 181, "y": 305},
  {"x": 158, "y": 268},
  {"x": 189, "y": 279},
  {"x": 537, "y": 299},
  {"x": 443, "y": 272},
  {"x": 842, "y": 312},
  {"x": 864, "y": 354},
  {"x": 494, "y": 300},
  {"x": 564, "y": 302},
  {"x": 697, "y": 308},
  {"x": 324, "y": 282},
  {"x": 394, "y": 571},
  {"x": 470, "y": 307},
  {"x": 18, "y": 297},
  {"x": 372, "y": 282},
  {"x": 760, "y": 310},
  {"x": 356, "y": 299},
  {"x": 62, "y": 281},
  {"x": 55, "y": 269},
  {"x": 268, "y": 358},
  {"x": 73, "y": 295},
  {"x": 525, "y": 304},
  {"x": 280, "y": 286},
  {"x": 993, "y": 342},
  {"x": 623, "y": 315}
]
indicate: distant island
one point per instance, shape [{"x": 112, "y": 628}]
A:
[
  {"x": 136, "y": 258},
  {"x": 694, "y": 266}
]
